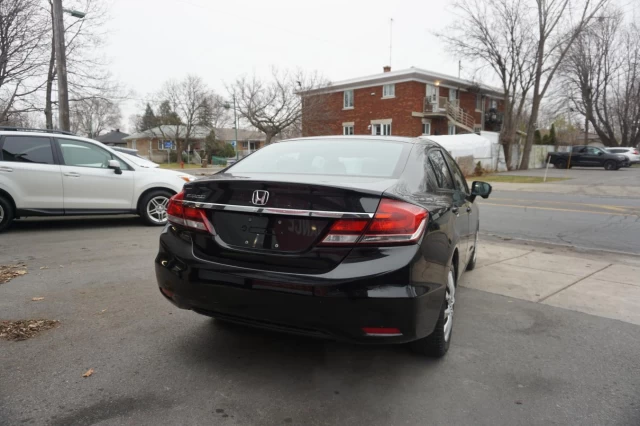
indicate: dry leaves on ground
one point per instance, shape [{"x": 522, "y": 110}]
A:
[
  {"x": 88, "y": 373},
  {"x": 37, "y": 299},
  {"x": 24, "y": 329},
  {"x": 9, "y": 272}
]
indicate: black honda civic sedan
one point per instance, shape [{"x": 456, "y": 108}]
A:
[{"x": 356, "y": 238}]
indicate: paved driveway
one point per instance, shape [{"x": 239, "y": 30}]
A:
[
  {"x": 512, "y": 362},
  {"x": 588, "y": 176}
]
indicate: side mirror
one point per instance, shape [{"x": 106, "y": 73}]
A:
[
  {"x": 599, "y": 152},
  {"x": 115, "y": 165},
  {"x": 480, "y": 189}
]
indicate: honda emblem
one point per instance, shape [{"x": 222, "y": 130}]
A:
[{"x": 260, "y": 197}]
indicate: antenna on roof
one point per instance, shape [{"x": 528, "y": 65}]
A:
[{"x": 390, "y": 38}]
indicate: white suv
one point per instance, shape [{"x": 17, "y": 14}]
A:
[
  {"x": 631, "y": 153},
  {"x": 54, "y": 173}
]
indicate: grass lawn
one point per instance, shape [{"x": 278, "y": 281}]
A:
[
  {"x": 516, "y": 179},
  {"x": 177, "y": 166}
]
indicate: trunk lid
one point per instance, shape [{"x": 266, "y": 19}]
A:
[{"x": 275, "y": 222}]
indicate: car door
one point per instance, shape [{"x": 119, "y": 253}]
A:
[
  {"x": 467, "y": 208},
  {"x": 591, "y": 157},
  {"x": 30, "y": 174},
  {"x": 445, "y": 182},
  {"x": 89, "y": 185}
]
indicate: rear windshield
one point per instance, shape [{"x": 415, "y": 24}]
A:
[{"x": 347, "y": 157}]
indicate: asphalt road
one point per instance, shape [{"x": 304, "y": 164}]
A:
[
  {"x": 511, "y": 362},
  {"x": 604, "y": 223}
]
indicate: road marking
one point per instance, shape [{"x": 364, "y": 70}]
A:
[
  {"x": 556, "y": 209},
  {"x": 612, "y": 207}
]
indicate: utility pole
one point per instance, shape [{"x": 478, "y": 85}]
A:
[
  {"x": 61, "y": 66},
  {"x": 235, "y": 123}
]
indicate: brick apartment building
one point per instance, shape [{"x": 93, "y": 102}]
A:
[{"x": 409, "y": 102}]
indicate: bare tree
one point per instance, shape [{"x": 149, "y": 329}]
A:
[
  {"x": 186, "y": 99},
  {"x": 22, "y": 30},
  {"x": 273, "y": 106},
  {"x": 559, "y": 24},
  {"x": 93, "y": 116},
  {"x": 602, "y": 75},
  {"x": 499, "y": 36}
]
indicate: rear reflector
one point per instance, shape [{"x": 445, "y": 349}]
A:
[
  {"x": 189, "y": 217},
  {"x": 381, "y": 331},
  {"x": 395, "y": 222}
]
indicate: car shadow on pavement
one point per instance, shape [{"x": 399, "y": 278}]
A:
[
  {"x": 70, "y": 223},
  {"x": 276, "y": 359}
]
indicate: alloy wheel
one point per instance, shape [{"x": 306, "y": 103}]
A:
[
  {"x": 157, "y": 209},
  {"x": 450, "y": 299}
]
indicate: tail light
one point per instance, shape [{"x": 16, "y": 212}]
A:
[
  {"x": 188, "y": 217},
  {"x": 395, "y": 222},
  {"x": 636, "y": 152}
]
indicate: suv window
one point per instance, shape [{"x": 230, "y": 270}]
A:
[
  {"x": 85, "y": 154},
  {"x": 441, "y": 170},
  {"x": 27, "y": 149},
  {"x": 458, "y": 176}
]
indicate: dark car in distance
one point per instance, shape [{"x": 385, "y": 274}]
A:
[
  {"x": 357, "y": 238},
  {"x": 587, "y": 156}
]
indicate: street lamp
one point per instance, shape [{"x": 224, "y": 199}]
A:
[
  {"x": 61, "y": 61},
  {"x": 235, "y": 122}
]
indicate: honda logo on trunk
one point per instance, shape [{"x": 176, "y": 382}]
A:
[{"x": 260, "y": 197}]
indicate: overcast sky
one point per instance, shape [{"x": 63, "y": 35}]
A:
[{"x": 151, "y": 41}]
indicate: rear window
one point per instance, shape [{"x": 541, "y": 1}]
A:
[
  {"x": 27, "y": 149},
  {"x": 346, "y": 157}
]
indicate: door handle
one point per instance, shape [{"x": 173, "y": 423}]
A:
[
  {"x": 72, "y": 174},
  {"x": 468, "y": 209},
  {"x": 5, "y": 169},
  {"x": 455, "y": 210}
]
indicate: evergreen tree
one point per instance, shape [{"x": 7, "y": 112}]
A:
[
  {"x": 148, "y": 120},
  {"x": 552, "y": 135},
  {"x": 537, "y": 137}
]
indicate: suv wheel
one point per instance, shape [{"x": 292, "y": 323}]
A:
[
  {"x": 437, "y": 343},
  {"x": 560, "y": 164},
  {"x": 6, "y": 213},
  {"x": 610, "y": 165},
  {"x": 153, "y": 208}
]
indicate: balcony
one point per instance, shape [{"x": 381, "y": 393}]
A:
[{"x": 449, "y": 109}]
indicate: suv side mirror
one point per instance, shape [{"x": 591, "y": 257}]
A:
[
  {"x": 115, "y": 165},
  {"x": 482, "y": 189},
  {"x": 599, "y": 152}
]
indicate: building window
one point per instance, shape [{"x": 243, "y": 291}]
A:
[
  {"x": 426, "y": 128},
  {"x": 347, "y": 129},
  {"x": 453, "y": 95},
  {"x": 161, "y": 145},
  {"x": 494, "y": 104},
  {"x": 478, "y": 102},
  {"x": 389, "y": 91},
  {"x": 381, "y": 129},
  {"x": 348, "y": 99},
  {"x": 451, "y": 129}
]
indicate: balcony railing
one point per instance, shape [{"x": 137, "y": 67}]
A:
[{"x": 450, "y": 109}]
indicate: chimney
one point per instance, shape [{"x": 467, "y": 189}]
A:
[{"x": 386, "y": 68}]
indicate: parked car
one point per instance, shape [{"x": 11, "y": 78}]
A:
[
  {"x": 357, "y": 238},
  {"x": 52, "y": 173},
  {"x": 130, "y": 151},
  {"x": 587, "y": 156},
  {"x": 631, "y": 153}
]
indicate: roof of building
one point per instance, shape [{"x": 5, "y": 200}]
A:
[
  {"x": 114, "y": 136},
  {"x": 410, "y": 74},
  {"x": 197, "y": 132}
]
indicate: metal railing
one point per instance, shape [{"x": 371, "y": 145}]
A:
[{"x": 451, "y": 109}]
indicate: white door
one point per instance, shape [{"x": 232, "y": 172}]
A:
[
  {"x": 453, "y": 96},
  {"x": 29, "y": 173},
  {"x": 432, "y": 93},
  {"x": 89, "y": 185}
]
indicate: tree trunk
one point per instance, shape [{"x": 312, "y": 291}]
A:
[{"x": 269, "y": 137}]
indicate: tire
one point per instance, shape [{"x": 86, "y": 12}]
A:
[
  {"x": 610, "y": 165},
  {"x": 472, "y": 263},
  {"x": 6, "y": 213},
  {"x": 153, "y": 206},
  {"x": 437, "y": 343},
  {"x": 560, "y": 164}
]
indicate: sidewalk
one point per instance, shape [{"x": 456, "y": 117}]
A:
[
  {"x": 594, "y": 190},
  {"x": 574, "y": 281}
]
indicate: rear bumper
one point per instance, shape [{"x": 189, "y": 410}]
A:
[{"x": 336, "y": 305}]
